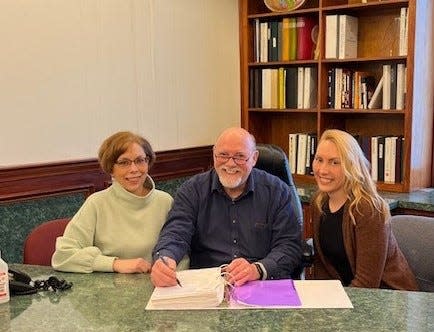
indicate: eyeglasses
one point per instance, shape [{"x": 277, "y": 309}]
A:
[
  {"x": 139, "y": 162},
  {"x": 239, "y": 160}
]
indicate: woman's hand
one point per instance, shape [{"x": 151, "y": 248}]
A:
[{"x": 134, "y": 265}]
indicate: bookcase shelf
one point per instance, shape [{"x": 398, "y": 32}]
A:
[{"x": 378, "y": 43}]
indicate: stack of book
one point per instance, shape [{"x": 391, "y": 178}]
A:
[
  {"x": 281, "y": 88},
  {"x": 290, "y": 38},
  {"x": 349, "y": 88},
  {"x": 391, "y": 89},
  {"x": 341, "y": 37},
  {"x": 302, "y": 148}
]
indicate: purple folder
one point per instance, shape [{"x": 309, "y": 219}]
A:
[{"x": 267, "y": 293}]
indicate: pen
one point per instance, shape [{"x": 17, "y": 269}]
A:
[{"x": 167, "y": 264}]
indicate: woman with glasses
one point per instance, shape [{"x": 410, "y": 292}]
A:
[{"x": 116, "y": 229}]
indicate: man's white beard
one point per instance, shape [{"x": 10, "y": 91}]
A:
[{"x": 228, "y": 180}]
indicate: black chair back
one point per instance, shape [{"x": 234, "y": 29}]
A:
[{"x": 273, "y": 160}]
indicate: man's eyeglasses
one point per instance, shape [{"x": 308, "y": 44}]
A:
[
  {"x": 239, "y": 160},
  {"x": 139, "y": 162}
]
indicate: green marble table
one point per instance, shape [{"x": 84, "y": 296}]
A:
[{"x": 116, "y": 302}]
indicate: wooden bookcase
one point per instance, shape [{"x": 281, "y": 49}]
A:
[{"x": 378, "y": 40}]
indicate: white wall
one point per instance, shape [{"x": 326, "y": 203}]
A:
[{"x": 73, "y": 72}]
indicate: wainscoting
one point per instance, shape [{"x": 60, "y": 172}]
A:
[{"x": 32, "y": 194}]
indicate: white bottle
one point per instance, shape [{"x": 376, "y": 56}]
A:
[{"x": 4, "y": 281}]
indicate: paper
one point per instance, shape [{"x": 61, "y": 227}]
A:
[
  {"x": 322, "y": 294},
  {"x": 201, "y": 288},
  {"x": 266, "y": 293}
]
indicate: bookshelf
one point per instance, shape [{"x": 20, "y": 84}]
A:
[{"x": 377, "y": 45}]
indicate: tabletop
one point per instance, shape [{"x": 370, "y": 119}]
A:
[{"x": 116, "y": 302}]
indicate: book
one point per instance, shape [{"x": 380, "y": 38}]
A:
[
  {"x": 292, "y": 153},
  {"x": 301, "y": 153},
  {"x": 380, "y": 157},
  {"x": 266, "y": 88},
  {"x": 281, "y": 90},
  {"x": 403, "y": 18},
  {"x": 374, "y": 158},
  {"x": 347, "y": 42},
  {"x": 300, "y": 85},
  {"x": 398, "y": 160},
  {"x": 310, "y": 87},
  {"x": 307, "y": 163},
  {"x": 274, "y": 88},
  {"x": 292, "y": 38},
  {"x": 347, "y": 88},
  {"x": 367, "y": 90},
  {"x": 341, "y": 36},
  {"x": 307, "y": 37},
  {"x": 388, "y": 160},
  {"x": 365, "y": 145},
  {"x": 273, "y": 46},
  {"x": 201, "y": 288},
  {"x": 258, "y": 88},
  {"x": 264, "y": 42},
  {"x": 338, "y": 88},
  {"x": 331, "y": 75},
  {"x": 386, "y": 86},
  {"x": 331, "y": 37},
  {"x": 291, "y": 87},
  {"x": 311, "y": 153},
  {"x": 257, "y": 40},
  {"x": 284, "y": 49},
  {"x": 393, "y": 86},
  {"x": 400, "y": 85},
  {"x": 377, "y": 95},
  {"x": 251, "y": 88}
]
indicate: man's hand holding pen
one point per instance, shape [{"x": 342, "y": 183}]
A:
[{"x": 163, "y": 272}]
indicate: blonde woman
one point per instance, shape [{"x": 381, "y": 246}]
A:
[{"x": 352, "y": 233}]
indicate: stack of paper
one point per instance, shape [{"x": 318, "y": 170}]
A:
[{"x": 201, "y": 288}]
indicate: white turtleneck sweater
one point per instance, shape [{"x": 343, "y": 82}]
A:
[{"x": 112, "y": 223}]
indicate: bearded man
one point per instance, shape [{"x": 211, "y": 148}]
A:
[{"x": 233, "y": 215}]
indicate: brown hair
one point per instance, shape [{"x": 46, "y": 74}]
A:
[{"x": 117, "y": 144}]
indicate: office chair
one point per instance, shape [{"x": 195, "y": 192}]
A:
[
  {"x": 40, "y": 244},
  {"x": 415, "y": 236},
  {"x": 273, "y": 160}
]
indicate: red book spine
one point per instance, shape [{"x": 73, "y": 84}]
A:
[{"x": 307, "y": 36}]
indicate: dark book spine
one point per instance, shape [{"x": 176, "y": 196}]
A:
[
  {"x": 258, "y": 88},
  {"x": 273, "y": 54},
  {"x": 398, "y": 162},
  {"x": 381, "y": 150},
  {"x": 331, "y": 88},
  {"x": 251, "y": 88},
  {"x": 291, "y": 87}
]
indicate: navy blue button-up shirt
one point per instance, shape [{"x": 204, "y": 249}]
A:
[{"x": 214, "y": 229}]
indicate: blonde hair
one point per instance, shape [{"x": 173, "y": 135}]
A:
[
  {"x": 358, "y": 183},
  {"x": 117, "y": 144}
]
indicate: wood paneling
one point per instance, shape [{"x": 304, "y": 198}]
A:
[{"x": 42, "y": 180}]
